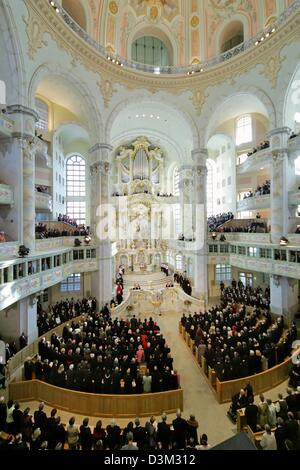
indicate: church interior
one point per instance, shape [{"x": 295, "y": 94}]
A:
[{"x": 149, "y": 224}]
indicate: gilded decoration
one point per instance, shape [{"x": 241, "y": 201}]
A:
[
  {"x": 107, "y": 90},
  {"x": 35, "y": 31},
  {"x": 50, "y": 22},
  {"x": 195, "y": 21},
  {"x": 272, "y": 68},
  {"x": 198, "y": 99},
  {"x": 113, "y": 8},
  {"x": 154, "y": 13}
]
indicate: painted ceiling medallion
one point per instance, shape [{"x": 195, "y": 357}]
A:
[
  {"x": 154, "y": 12},
  {"x": 195, "y": 21},
  {"x": 113, "y": 8}
]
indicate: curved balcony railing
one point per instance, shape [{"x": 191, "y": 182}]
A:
[
  {"x": 43, "y": 202},
  {"x": 181, "y": 70},
  {"x": 254, "y": 203}
]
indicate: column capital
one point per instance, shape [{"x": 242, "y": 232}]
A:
[
  {"x": 102, "y": 168},
  {"x": 200, "y": 156},
  {"x": 100, "y": 146},
  {"x": 24, "y": 120},
  {"x": 279, "y": 138},
  {"x": 279, "y": 130},
  {"x": 24, "y": 110}
]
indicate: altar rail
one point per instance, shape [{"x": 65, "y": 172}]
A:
[
  {"x": 225, "y": 390},
  {"x": 90, "y": 404}
]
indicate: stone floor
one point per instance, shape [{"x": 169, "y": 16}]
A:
[{"x": 198, "y": 397}]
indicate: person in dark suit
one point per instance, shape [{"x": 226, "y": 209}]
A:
[
  {"x": 3, "y": 414},
  {"x": 180, "y": 429},
  {"x": 280, "y": 434},
  {"x": 23, "y": 341},
  {"x": 113, "y": 436},
  {"x": 139, "y": 434},
  {"x": 18, "y": 417},
  {"x": 164, "y": 433},
  {"x": 85, "y": 435},
  {"x": 40, "y": 420},
  {"x": 251, "y": 412}
]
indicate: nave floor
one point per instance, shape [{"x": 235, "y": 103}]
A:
[{"x": 198, "y": 397}]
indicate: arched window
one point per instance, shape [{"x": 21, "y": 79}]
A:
[
  {"x": 75, "y": 9},
  {"x": 244, "y": 133},
  {"x": 210, "y": 188},
  {"x": 176, "y": 180},
  {"x": 43, "y": 112},
  {"x": 76, "y": 188},
  {"x": 232, "y": 36},
  {"x": 150, "y": 50}
]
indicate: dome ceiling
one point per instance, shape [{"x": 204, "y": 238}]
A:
[{"x": 195, "y": 30}]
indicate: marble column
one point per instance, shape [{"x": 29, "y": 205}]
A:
[
  {"x": 102, "y": 216},
  {"x": 284, "y": 296},
  {"x": 26, "y": 145},
  {"x": 186, "y": 200},
  {"x": 283, "y": 180},
  {"x": 200, "y": 223},
  {"x": 20, "y": 317}
]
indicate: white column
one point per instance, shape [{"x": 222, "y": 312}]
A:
[
  {"x": 284, "y": 296},
  {"x": 24, "y": 132},
  {"x": 282, "y": 181},
  {"x": 20, "y": 317},
  {"x": 200, "y": 224},
  {"x": 102, "y": 280}
]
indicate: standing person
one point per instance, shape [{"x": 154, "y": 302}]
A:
[
  {"x": 130, "y": 445},
  {"x": 85, "y": 435},
  {"x": 268, "y": 441},
  {"x": 72, "y": 434},
  {"x": 164, "y": 433},
  {"x": 147, "y": 379},
  {"x": 119, "y": 293},
  {"x": 192, "y": 426},
  {"x": 251, "y": 413},
  {"x": 23, "y": 341},
  {"x": 180, "y": 429},
  {"x": 3, "y": 414}
]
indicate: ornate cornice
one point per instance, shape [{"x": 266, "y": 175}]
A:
[
  {"x": 20, "y": 109},
  {"x": 100, "y": 146},
  {"x": 43, "y": 15}
]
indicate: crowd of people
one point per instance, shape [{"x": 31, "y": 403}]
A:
[
  {"x": 67, "y": 219},
  {"x": 262, "y": 146},
  {"x": 278, "y": 420},
  {"x": 38, "y": 431},
  {"x": 43, "y": 231},
  {"x": 261, "y": 190},
  {"x": 42, "y": 189},
  {"x": 215, "y": 221},
  {"x": 101, "y": 355},
  {"x": 65, "y": 310},
  {"x": 253, "y": 226},
  {"x": 184, "y": 282},
  {"x": 160, "y": 194},
  {"x": 237, "y": 342}
]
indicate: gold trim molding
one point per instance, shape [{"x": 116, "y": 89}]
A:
[{"x": 43, "y": 19}]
